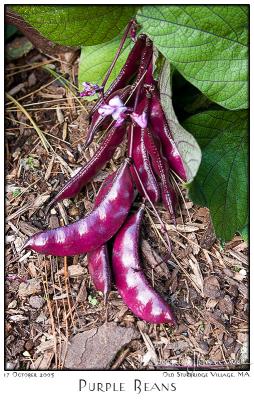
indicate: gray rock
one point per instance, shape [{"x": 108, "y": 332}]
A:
[{"x": 97, "y": 348}]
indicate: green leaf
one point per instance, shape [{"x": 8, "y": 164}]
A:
[
  {"x": 207, "y": 44},
  {"x": 16, "y": 192},
  {"x": 95, "y": 61},
  {"x": 245, "y": 233},
  {"x": 79, "y": 24},
  {"x": 92, "y": 300},
  {"x": 185, "y": 142},
  {"x": 9, "y": 31},
  {"x": 222, "y": 180}
]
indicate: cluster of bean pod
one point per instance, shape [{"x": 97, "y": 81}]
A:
[{"x": 130, "y": 107}]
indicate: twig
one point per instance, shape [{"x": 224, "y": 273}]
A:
[
  {"x": 116, "y": 56},
  {"x": 44, "y": 141}
]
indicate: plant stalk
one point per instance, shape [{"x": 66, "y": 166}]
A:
[{"x": 116, "y": 55}]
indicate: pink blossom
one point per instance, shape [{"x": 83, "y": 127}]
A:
[
  {"x": 116, "y": 108},
  {"x": 90, "y": 89}
]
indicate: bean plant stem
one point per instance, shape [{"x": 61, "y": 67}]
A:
[{"x": 116, "y": 55}]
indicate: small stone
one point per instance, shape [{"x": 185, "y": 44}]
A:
[
  {"x": 226, "y": 305},
  {"x": 36, "y": 302},
  {"x": 211, "y": 287}
]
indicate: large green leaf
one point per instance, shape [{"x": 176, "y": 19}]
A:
[
  {"x": 222, "y": 180},
  {"x": 185, "y": 142},
  {"x": 95, "y": 61},
  {"x": 77, "y": 25},
  {"x": 207, "y": 44}
]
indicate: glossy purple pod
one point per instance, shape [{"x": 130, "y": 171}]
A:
[
  {"x": 130, "y": 280},
  {"x": 96, "y": 228},
  {"x": 102, "y": 155},
  {"x": 104, "y": 189},
  {"x": 98, "y": 259},
  {"x": 143, "y": 166},
  {"x": 127, "y": 72},
  {"x": 146, "y": 57},
  {"x": 100, "y": 121},
  {"x": 160, "y": 126},
  {"x": 160, "y": 166},
  {"x": 99, "y": 269}
]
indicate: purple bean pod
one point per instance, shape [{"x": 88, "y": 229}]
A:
[
  {"x": 160, "y": 166},
  {"x": 160, "y": 126},
  {"x": 102, "y": 155},
  {"x": 99, "y": 269},
  {"x": 146, "y": 58},
  {"x": 96, "y": 228},
  {"x": 131, "y": 283},
  {"x": 127, "y": 72},
  {"x": 100, "y": 121},
  {"x": 144, "y": 168},
  {"x": 98, "y": 260}
]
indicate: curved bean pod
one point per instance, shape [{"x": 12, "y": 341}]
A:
[
  {"x": 129, "y": 69},
  {"x": 146, "y": 57},
  {"x": 130, "y": 280},
  {"x": 98, "y": 260},
  {"x": 96, "y": 228},
  {"x": 103, "y": 154},
  {"x": 143, "y": 166},
  {"x": 153, "y": 146},
  {"x": 101, "y": 121},
  {"x": 99, "y": 269},
  {"x": 160, "y": 126},
  {"x": 104, "y": 189}
]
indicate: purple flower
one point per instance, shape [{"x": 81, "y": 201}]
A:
[
  {"x": 90, "y": 89},
  {"x": 116, "y": 108},
  {"x": 141, "y": 119}
]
